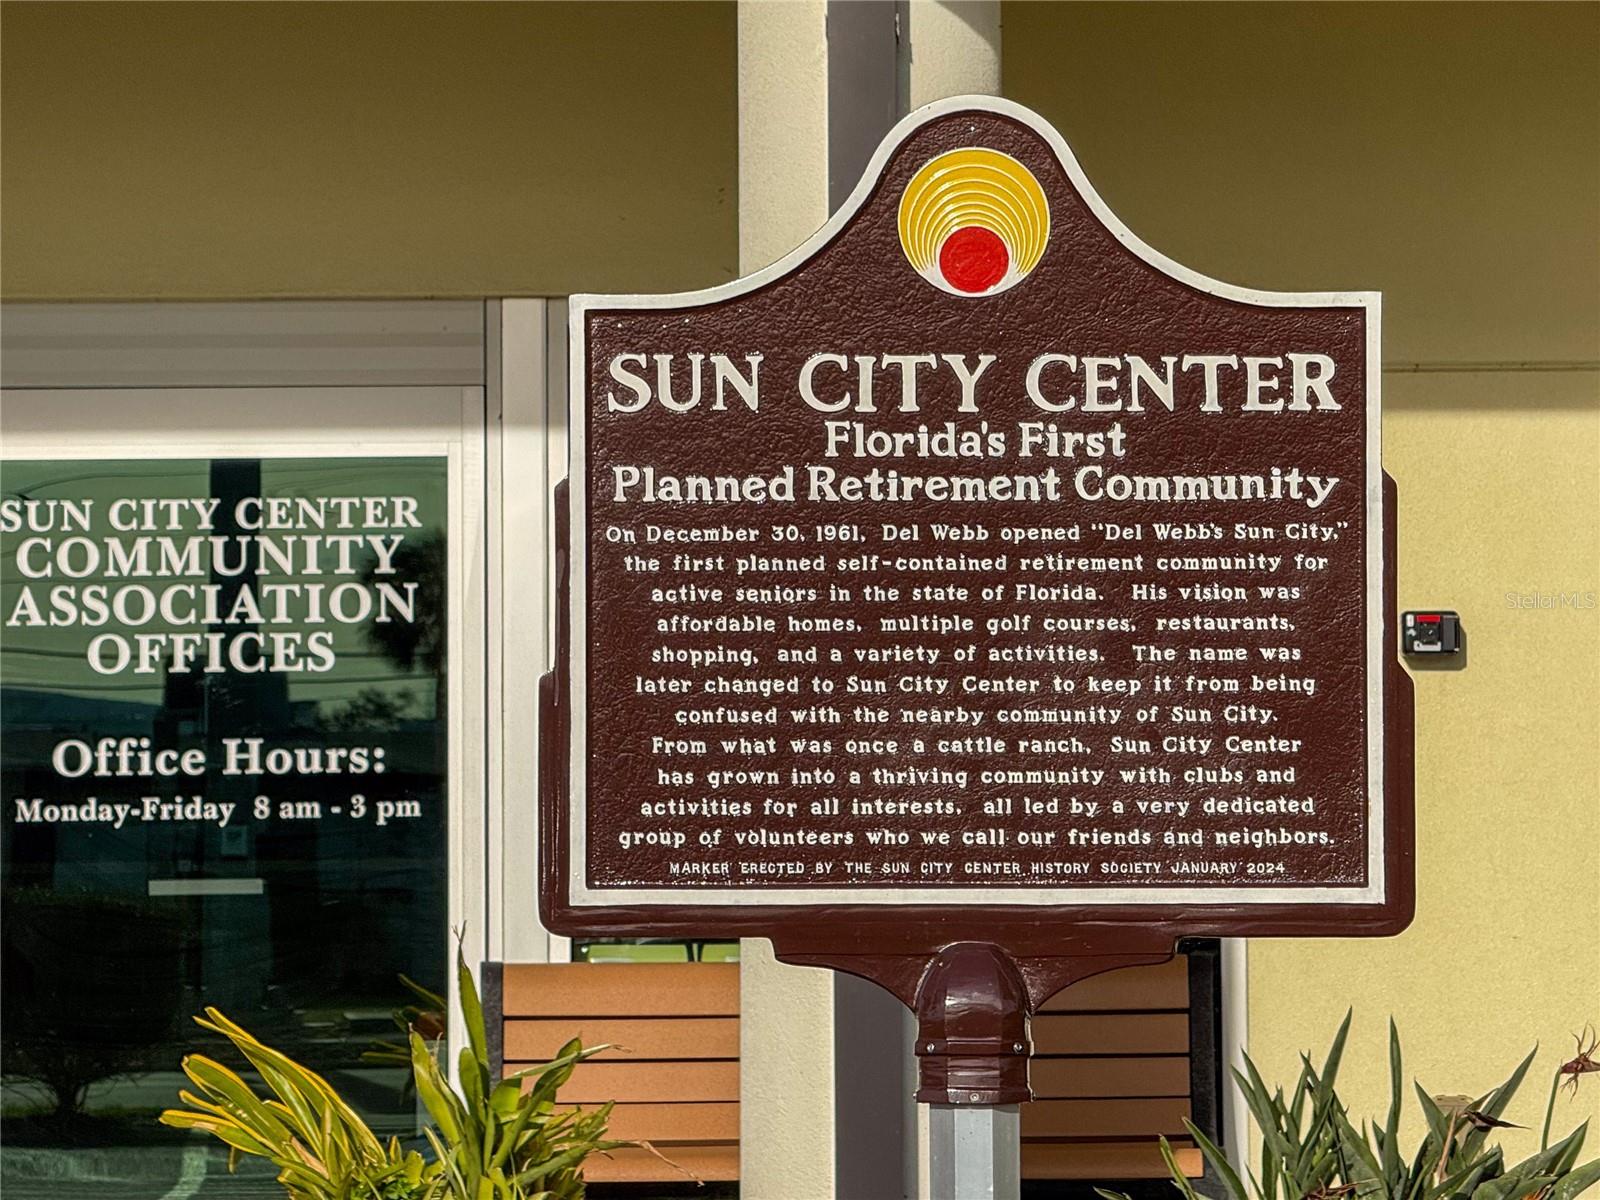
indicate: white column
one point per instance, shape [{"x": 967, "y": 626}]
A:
[
  {"x": 786, "y": 1126},
  {"x": 783, "y": 127},
  {"x": 787, "y": 125},
  {"x": 954, "y": 47}
]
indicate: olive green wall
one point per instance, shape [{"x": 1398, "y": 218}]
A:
[
  {"x": 1446, "y": 155},
  {"x": 234, "y": 150}
]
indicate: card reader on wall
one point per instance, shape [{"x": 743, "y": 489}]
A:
[{"x": 1435, "y": 632}]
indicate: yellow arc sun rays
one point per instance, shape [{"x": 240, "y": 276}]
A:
[{"x": 974, "y": 187}]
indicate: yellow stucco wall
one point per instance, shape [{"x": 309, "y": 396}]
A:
[
  {"x": 385, "y": 149},
  {"x": 1447, "y": 156}
]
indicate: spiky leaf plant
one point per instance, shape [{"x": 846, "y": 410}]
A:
[
  {"x": 491, "y": 1140},
  {"x": 1310, "y": 1149}
]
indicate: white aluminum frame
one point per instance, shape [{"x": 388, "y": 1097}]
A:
[{"x": 527, "y": 457}]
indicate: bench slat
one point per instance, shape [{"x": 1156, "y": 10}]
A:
[
  {"x": 569, "y": 990},
  {"x": 1165, "y": 985},
  {"x": 636, "y": 1039},
  {"x": 1101, "y": 1161},
  {"x": 1105, "y": 1118},
  {"x": 1111, "y": 1033},
  {"x": 712, "y": 1163},
  {"x": 658, "y": 1123},
  {"x": 632, "y": 1083},
  {"x": 1084, "y": 1078}
]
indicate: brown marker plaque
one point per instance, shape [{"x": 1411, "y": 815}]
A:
[{"x": 976, "y": 573}]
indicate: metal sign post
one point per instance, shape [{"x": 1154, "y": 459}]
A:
[
  {"x": 975, "y": 1152},
  {"x": 964, "y": 602}
]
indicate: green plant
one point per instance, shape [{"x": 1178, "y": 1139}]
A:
[
  {"x": 1310, "y": 1150},
  {"x": 491, "y": 1139},
  {"x": 426, "y": 1018},
  {"x": 495, "y": 1141}
]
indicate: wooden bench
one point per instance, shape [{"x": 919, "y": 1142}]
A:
[
  {"x": 1112, "y": 1072},
  {"x": 674, "y": 1074},
  {"x": 1112, "y": 1066}
]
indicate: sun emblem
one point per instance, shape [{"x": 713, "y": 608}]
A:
[{"x": 974, "y": 222}]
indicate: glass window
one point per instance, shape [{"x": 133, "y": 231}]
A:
[{"x": 222, "y": 701}]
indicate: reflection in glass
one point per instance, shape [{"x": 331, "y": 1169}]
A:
[{"x": 292, "y": 871}]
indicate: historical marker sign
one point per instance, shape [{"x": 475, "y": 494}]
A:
[{"x": 977, "y": 555}]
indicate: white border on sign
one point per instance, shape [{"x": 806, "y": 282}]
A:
[{"x": 580, "y": 894}]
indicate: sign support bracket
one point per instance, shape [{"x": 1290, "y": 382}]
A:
[{"x": 972, "y": 1048}]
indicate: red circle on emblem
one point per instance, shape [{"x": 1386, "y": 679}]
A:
[{"x": 973, "y": 259}]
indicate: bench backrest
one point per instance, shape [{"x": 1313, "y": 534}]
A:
[
  {"x": 1112, "y": 1072},
  {"x": 1112, "y": 1066},
  {"x": 674, "y": 1074}
]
